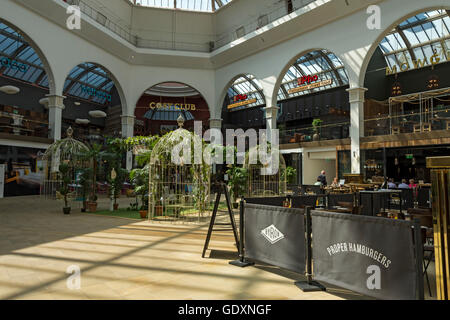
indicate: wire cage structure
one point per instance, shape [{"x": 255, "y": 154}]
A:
[
  {"x": 179, "y": 191},
  {"x": 69, "y": 151},
  {"x": 262, "y": 182}
]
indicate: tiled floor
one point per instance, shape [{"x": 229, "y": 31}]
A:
[{"x": 125, "y": 259}]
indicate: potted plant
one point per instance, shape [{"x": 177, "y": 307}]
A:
[
  {"x": 317, "y": 123},
  {"x": 84, "y": 182},
  {"x": 140, "y": 181},
  {"x": 237, "y": 180},
  {"x": 95, "y": 155},
  {"x": 116, "y": 185},
  {"x": 64, "y": 171}
]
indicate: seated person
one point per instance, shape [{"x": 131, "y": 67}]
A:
[
  {"x": 403, "y": 185},
  {"x": 412, "y": 184},
  {"x": 335, "y": 183},
  {"x": 391, "y": 184}
]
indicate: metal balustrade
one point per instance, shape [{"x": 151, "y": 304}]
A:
[{"x": 215, "y": 43}]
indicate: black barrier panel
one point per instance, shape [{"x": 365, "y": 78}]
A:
[
  {"x": 372, "y": 203},
  {"x": 275, "y": 235},
  {"x": 335, "y": 199},
  {"x": 371, "y": 256},
  {"x": 269, "y": 201},
  {"x": 304, "y": 201}
]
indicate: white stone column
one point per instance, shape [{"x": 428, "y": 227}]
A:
[
  {"x": 356, "y": 99},
  {"x": 215, "y": 124},
  {"x": 271, "y": 120},
  {"x": 128, "y": 132},
  {"x": 55, "y": 108}
]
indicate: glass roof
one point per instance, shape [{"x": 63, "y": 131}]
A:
[
  {"x": 18, "y": 59},
  {"x": 249, "y": 86},
  {"x": 90, "y": 82},
  {"x": 196, "y": 5},
  {"x": 418, "y": 37},
  {"x": 169, "y": 114},
  {"x": 322, "y": 63}
]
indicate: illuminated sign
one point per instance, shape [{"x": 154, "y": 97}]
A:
[
  {"x": 312, "y": 86},
  {"x": 242, "y": 103},
  {"x": 240, "y": 97},
  {"x": 13, "y": 64},
  {"x": 307, "y": 80},
  {"x": 408, "y": 64},
  {"x": 176, "y": 106},
  {"x": 96, "y": 93}
]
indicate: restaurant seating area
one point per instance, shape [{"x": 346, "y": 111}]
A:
[{"x": 18, "y": 121}]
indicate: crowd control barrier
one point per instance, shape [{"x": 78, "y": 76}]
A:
[
  {"x": 376, "y": 257},
  {"x": 273, "y": 235}
]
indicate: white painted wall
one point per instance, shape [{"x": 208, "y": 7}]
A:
[
  {"x": 335, "y": 26},
  {"x": 316, "y": 161}
]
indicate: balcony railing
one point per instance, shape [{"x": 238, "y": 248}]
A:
[
  {"x": 413, "y": 122},
  {"x": 215, "y": 41},
  {"x": 309, "y": 134}
]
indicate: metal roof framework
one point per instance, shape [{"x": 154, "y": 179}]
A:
[
  {"x": 323, "y": 63},
  {"x": 195, "y": 5},
  {"x": 247, "y": 85},
  {"x": 418, "y": 38}
]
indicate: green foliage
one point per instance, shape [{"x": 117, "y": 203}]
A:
[
  {"x": 140, "y": 180},
  {"x": 291, "y": 174},
  {"x": 127, "y": 144},
  {"x": 317, "y": 124},
  {"x": 237, "y": 181},
  {"x": 85, "y": 182},
  {"x": 65, "y": 175}
]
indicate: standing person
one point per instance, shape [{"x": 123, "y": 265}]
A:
[
  {"x": 403, "y": 185},
  {"x": 323, "y": 178}
]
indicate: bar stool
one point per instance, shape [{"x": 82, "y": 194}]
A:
[
  {"x": 417, "y": 128},
  {"x": 426, "y": 127}
]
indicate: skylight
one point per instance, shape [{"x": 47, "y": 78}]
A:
[{"x": 195, "y": 5}]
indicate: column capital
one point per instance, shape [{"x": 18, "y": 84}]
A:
[
  {"x": 271, "y": 112},
  {"x": 215, "y": 123},
  {"x": 55, "y": 101},
  {"x": 356, "y": 94}
]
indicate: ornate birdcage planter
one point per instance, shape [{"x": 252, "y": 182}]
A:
[
  {"x": 179, "y": 189},
  {"x": 67, "y": 151},
  {"x": 263, "y": 181}
]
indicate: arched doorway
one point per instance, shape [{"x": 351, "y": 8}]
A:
[
  {"x": 314, "y": 107},
  {"x": 243, "y": 106},
  {"x": 407, "y": 98},
  {"x": 25, "y": 78},
  {"x": 160, "y": 106},
  {"x": 93, "y": 106}
]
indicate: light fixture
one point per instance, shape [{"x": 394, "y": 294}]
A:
[
  {"x": 97, "y": 114},
  {"x": 82, "y": 121},
  {"x": 9, "y": 89},
  {"x": 77, "y": 103}
]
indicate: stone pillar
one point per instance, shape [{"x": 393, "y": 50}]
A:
[
  {"x": 55, "y": 108},
  {"x": 215, "y": 123},
  {"x": 356, "y": 97},
  {"x": 271, "y": 120},
  {"x": 128, "y": 132}
]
